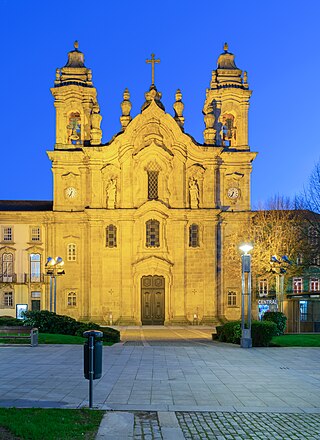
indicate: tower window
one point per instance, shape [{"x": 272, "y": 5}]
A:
[
  {"x": 74, "y": 128},
  {"x": 72, "y": 299},
  {"x": 111, "y": 236},
  {"x": 153, "y": 185},
  {"x": 228, "y": 130},
  {"x": 152, "y": 233},
  {"x": 194, "y": 235},
  {"x": 72, "y": 252},
  {"x": 232, "y": 298}
]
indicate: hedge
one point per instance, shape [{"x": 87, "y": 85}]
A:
[
  {"x": 49, "y": 322},
  {"x": 280, "y": 320},
  {"x": 9, "y": 321},
  {"x": 261, "y": 332}
]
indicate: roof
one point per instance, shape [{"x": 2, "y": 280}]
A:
[{"x": 26, "y": 205}]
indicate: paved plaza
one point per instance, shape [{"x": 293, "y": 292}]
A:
[{"x": 162, "y": 386}]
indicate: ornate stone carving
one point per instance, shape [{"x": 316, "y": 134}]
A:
[
  {"x": 194, "y": 193},
  {"x": 126, "y": 105},
  {"x": 112, "y": 194},
  {"x": 178, "y": 107}
]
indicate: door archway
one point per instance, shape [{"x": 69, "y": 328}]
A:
[{"x": 152, "y": 300}]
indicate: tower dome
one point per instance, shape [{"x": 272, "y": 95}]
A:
[{"x": 226, "y": 59}]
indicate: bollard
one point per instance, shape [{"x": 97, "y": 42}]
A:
[{"x": 92, "y": 359}]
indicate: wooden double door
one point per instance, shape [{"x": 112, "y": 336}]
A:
[{"x": 152, "y": 300}]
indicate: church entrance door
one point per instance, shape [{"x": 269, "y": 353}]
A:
[{"x": 152, "y": 300}]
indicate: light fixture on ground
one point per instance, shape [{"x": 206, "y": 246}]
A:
[
  {"x": 54, "y": 268},
  {"x": 246, "y": 340}
]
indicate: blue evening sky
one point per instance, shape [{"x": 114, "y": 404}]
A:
[{"x": 277, "y": 42}]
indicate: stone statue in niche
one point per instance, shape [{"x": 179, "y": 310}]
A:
[
  {"x": 194, "y": 193},
  {"x": 111, "y": 194}
]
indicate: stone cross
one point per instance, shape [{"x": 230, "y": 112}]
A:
[{"x": 153, "y": 61}]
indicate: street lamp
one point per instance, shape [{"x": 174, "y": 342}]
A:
[
  {"x": 279, "y": 267},
  {"x": 246, "y": 340},
  {"x": 54, "y": 268}
]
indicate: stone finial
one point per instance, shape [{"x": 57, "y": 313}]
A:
[
  {"x": 209, "y": 132},
  {"x": 225, "y": 47},
  {"x": 95, "y": 132},
  {"x": 245, "y": 79},
  {"x": 76, "y": 45},
  {"x": 126, "y": 105},
  {"x": 178, "y": 107},
  {"x": 152, "y": 95}
]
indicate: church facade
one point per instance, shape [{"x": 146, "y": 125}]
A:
[{"x": 140, "y": 222}]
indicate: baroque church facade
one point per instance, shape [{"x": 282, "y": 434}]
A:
[{"x": 141, "y": 221}]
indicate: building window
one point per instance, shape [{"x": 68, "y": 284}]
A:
[
  {"x": 153, "y": 185},
  {"x": 194, "y": 235},
  {"x": 297, "y": 285},
  {"x": 111, "y": 236},
  {"x": 312, "y": 236},
  {"x": 314, "y": 285},
  {"x": 8, "y": 299},
  {"x": 299, "y": 259},
  {"x": 35, "y": 233},
  {"x": 71, "y": 252},
  {"x": 7, "y": 233},
  {"x": 228, "y": 130},
  {"x": 232, "y": 298},
  {"x": 316, "y": 260},
  {"x": 263, "y": 288},
  {"x": 152, "y": 233},
  {"x": 7, "y": 268},
  {"x": 72, "y": 299},
  {"x": 35, "y": 295},
  {"x": 35, "y": 268},
  {"x": 303, "y": 310}
]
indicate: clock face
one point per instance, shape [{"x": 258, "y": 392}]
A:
[
  {"x": 70, "y": 192},
  {"x": 233, "y": 193}
]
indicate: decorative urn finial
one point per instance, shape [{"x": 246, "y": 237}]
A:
[
  {"x": 126, "y": 105},
  {"x": 178, "y": 107}
]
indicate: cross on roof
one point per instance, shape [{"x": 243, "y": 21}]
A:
[{"x": 153, "y": 61}]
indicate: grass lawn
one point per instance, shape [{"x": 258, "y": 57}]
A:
[
  {"x": 48, "y": 338},
  {"x": 49, "y": 424},
  {"x": 301, "y": 340}
]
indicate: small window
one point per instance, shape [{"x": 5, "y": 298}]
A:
[
  {"x": 72, "y": 299},
  {"x": 263, "y": 288},
  {"x": 232, "y": 298},
  {"x": 8, "y": 299},
  {"x": 7, "y": 233},
  {"x": 316, "y": 260},
  {"x": 314, "y": 285},
  {"x": 111, "y": 236},
  {"x": 152, "y": 233},
  {"x": 299, "y": 259},
  {"x": 36, "y": 233},
  {"x": 153, "y": 185},
  {"x": 72, "y": 252},
  {"x": 297, "y": 285},
  {"x": 194, "y": 235},
  {"x": 35, "y": 294}
]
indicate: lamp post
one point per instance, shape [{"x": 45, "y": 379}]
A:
[
  {"x": 54, "y": 268},
  {"x": 246, "y": 340},
  {"x": 279, "y": 266}
]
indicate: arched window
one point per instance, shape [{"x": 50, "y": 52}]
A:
[
  {"x": 194, "y": 235},
  {"x": 232, "y": 298},
  {"x": 72, "y": 299},
  {"x": 7, "y": 268},
  {"x": 111, "y": 236},
  {"x": 152, "y": 233},
  {"x": 74, "y": 128},
  {"x": 228, "y": 130},
  {"x": 35, "y": 268},
  {"x": 71, "y": 252},
  {"x": 153, "y": 185}
]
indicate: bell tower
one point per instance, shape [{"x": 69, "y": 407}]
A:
[
  {"x": 75, "y": 99},
  {"x": 226, "y": 105}
]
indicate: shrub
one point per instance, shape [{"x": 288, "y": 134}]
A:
[
  {"x": 9, "y": 321},
  {"x": 262, "y": 332},
  {"x": 230, "y": 332},
  {"x": 279, "y": 318},
  {"x": 49, "y": 322}
]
